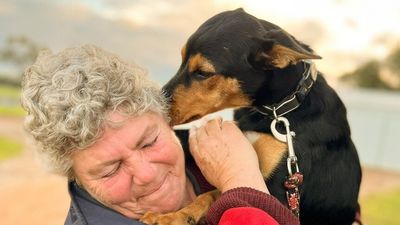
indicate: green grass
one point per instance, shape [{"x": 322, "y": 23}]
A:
[
  {"x": 11, "y": 111},
  {"x": 10, "y": 91},
  {"x": 9, "y": 148},
  {"x": 381, "y": 208}
]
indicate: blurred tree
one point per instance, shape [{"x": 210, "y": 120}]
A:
[
  {"x": 374, "y": 74},
  {"x": 19, "y": 51},
  {"x": 366, "y": 76},
  {"x": 393, "y": 60}
]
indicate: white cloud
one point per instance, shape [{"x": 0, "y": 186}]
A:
[
  {"x": 345, "y": 32},
  {"x": 347, "y": 27}
]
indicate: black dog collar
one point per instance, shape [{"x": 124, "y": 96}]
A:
[{"x": 294, "y": 100}]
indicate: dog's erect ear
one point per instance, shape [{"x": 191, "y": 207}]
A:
[{"x": 280, "y": 49}]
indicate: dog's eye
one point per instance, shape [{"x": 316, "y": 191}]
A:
[{"x": 201, "y": 74}]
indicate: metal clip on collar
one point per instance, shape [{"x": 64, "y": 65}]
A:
[{"x": 287, "y": 138}]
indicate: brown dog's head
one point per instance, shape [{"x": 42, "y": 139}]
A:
[{"x": 227, "y": 62}]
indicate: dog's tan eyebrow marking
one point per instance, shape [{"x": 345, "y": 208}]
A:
[
  {"x": 206, "y": 96},
  {"x": 183, "y": 52},
  {"x": 199, "y": 62}
]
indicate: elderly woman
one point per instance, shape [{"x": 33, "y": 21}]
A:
[{"x": 102, "y": 123}]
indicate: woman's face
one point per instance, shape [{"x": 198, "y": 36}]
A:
[{"x": 135, "y": 168}]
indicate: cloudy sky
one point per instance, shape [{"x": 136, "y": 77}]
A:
[{"x": 151, "y": 32}]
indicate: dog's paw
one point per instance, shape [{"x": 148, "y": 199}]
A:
[{"x": 175, "y": 218}]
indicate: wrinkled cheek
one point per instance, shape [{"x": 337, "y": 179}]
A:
[
  {"x": 174, "y": 153},
  {"x": 118, "y": 189}
]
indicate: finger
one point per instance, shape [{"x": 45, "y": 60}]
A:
[
  {"x": 202, "y": 121},
  {"x": 198, "y": 135},
  {"x": 229, "y": 125},
  {"x": 213, "y": 127},
  {"x": 193, "y": 144},
  {"x": 201, "y": 134},
  {"x": 192, "y": 134},
  {"x": 229, "y": 128}
]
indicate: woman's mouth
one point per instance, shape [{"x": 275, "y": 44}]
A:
[{"x": 156, "y": 188}]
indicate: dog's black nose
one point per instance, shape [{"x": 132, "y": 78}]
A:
[{"x": 167, "y": 92}]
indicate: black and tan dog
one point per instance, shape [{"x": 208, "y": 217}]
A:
[{"x": 236, "y": 60}]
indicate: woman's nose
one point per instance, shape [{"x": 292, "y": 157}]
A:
[{"x": 143, "y": 171}]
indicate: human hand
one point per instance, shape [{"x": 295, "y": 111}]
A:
[{"x": 225, "y": 156}]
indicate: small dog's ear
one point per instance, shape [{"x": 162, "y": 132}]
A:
[{"x": 279, "y": 49}]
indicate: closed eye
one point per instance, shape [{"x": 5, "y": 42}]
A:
[
  {"x": 199, "y": 74},
  {"x": 113, "y": 171},
  {"x": 150, "y": 143}
]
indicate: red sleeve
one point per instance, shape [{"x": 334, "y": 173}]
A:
[
  {"x": 246, "y": 216},
  {"x": 249, "y": 197}
]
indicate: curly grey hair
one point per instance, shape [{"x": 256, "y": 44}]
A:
[{"x": 68, "y": 96}]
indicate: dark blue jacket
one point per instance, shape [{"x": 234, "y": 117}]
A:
[{"x": 85, "y": 210}]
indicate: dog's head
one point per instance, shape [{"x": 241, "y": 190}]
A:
[{"x": 226, "y": 61}]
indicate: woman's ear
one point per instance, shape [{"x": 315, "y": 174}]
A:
[
  {"x": 279, "y": 49},
  {"x": 72, "y": 177}
]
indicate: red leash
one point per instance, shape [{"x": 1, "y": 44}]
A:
[{"x": 292, "y": 184}]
